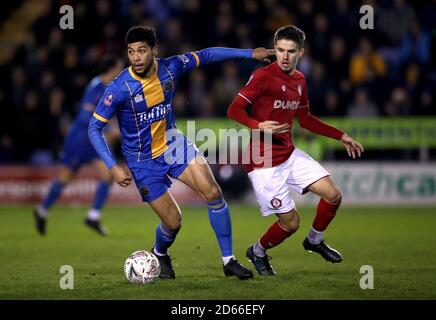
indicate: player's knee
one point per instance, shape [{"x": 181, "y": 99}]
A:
[
  {"x": 213, "y": 193},
  {"x": 335, "y": 198},
  {"x": 295, "y": 223},
  {"x": 291, "y": 225},
  {"x": 174, "y": 223}
]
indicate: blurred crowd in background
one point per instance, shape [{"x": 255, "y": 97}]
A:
[{"x": 354, "y": 73}]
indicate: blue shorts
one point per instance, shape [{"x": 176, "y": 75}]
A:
[
  {"x": 152, "y": 176},
  {"x": 78, "y": 150}
]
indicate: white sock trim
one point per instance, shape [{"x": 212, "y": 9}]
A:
[
  {"x": 227, "y": 259},
  {"x": 258, "y": 250},
  {"x": 94, "y": 214},
  {"x": 42, "y": 213},
  {"x": 315, "y": 236},
  {"x": 158, "y": 253}
]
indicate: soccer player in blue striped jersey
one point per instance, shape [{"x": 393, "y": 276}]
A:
[
  {"x": 78, "y": 151},
  {"x": 141, "y": 97}
]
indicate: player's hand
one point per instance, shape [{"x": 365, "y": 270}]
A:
[
  {"x": 262, "y": 54},
  {"x": 121, "y": 176},
  {"x": 353, "y": 147},
  {"x": 274, "y": 126}
]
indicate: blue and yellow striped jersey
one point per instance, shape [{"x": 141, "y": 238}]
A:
[{"x": 144, "y": 105}]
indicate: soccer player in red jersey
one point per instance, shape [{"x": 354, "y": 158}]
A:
[{"x": 277, "y": 93}]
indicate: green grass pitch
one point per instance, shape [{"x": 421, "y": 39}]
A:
[{"x": 399, "y": 243}]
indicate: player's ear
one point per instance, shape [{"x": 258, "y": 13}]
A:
[
  {"x": 155, "y": 51},
  {"x": 300, "y": 54}
]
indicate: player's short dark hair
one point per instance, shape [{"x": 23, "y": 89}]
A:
[
  {"x": 143, "y": 34},
  {"x": 291, "y": 32},
  {"x": 107, "y": 63}
]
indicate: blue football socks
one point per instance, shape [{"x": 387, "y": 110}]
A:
[
  {"x": 219, "y": 217},
  {"x": 53, "y": 195},
  {"x": 164, "y": 239},
  {"x": 101, "y": 195}
]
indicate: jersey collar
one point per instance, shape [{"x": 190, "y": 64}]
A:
[{"x": 136, "y": 77}]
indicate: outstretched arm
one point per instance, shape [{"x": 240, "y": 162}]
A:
[
  {"x": 188, "y": 61},
  {"x": 312, "y": 123},
  {"x": 211, "y": 55}
]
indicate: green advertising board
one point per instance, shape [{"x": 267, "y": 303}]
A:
[{"x": 373, "y": 133}]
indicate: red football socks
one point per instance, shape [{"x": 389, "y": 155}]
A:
[
  {"x": 275, "y": 235},
  {"x": 324, "y": 215}
]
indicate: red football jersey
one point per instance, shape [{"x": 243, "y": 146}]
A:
[{"x": 277, "y": 96}]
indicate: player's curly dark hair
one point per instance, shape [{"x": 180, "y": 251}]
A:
[
  {"x": 291, "y": 32},
  {"x": 141, "y": 33}
]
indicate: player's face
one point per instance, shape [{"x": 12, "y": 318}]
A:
[
  {"x": 141, "y": 56},
  {"x": 287, "y": 53}
]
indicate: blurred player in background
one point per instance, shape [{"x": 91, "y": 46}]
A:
[
  {"x": 78, "y": 151},
  {"x": 277, "y": 94},
  {"x": 142, "y": 98}
]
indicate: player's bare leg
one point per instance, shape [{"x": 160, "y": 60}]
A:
[
  {"x": 287, "y": 224},
  {"x": 40, "y": 212},
  {"x": 331, "y": 198},
  {"x": 171, "y": 217},
  {"x": 199, "y": 177},
  {"x": 93, "y": 219}
]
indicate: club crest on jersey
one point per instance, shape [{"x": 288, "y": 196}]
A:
[
  {"x": 109, "y": 99},
  {"x": 286, "y": 104},
  {"x": 283, "y": 88},
  {"x": 276, "y": 203},
  {"x": 184, "y": 58},
  {"x": 138, "y": 98},
  {"x": 144, "y": 191}
]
